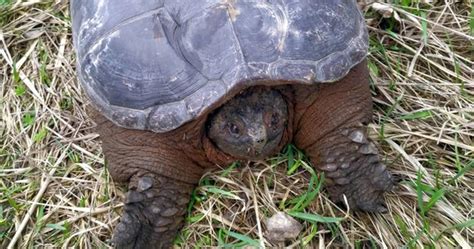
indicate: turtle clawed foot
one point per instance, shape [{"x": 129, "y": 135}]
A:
[
  {"x": 135, "y": 229},
  {"x": 368, "y": 195},
  {"x": 363, "y": 193},
  {"x": 128, "y": 232},
  {"x": 153, "y": 213}
]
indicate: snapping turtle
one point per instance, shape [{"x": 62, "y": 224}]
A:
[{"x": 181, "y": 86}]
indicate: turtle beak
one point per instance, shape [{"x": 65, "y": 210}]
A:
[{"x": 258, "y": 134}]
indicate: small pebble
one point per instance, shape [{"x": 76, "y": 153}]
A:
[{"x": 281, "y": 227}]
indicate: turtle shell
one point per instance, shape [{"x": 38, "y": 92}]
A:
[{"x": 154, "y": 65}]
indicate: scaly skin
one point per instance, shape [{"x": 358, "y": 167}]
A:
[
  {"x": 161, "y": 171},
  {"x": 331, "y": 127},
  {"x": 354, "y": 169},
  {"x": 153, "y": 213}
]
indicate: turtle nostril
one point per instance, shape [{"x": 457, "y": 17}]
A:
[{"x": 259, "y": 145}]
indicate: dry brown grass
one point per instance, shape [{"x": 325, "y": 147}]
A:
[{"x": 55, "y": 191}]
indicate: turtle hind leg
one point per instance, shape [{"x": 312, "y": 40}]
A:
[{"x": 154, "y": 212}]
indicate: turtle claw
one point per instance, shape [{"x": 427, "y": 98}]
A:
[
  {"x": 376, "y": 206},
  {"x": 381, "y": 209}
]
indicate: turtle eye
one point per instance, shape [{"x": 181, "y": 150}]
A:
[
  {"x": 234, "y": 129},
  {"x": 275, "y": 119}
]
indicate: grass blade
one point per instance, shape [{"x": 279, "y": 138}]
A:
[
  {"x": 244, "y": 238},
  {"x": 315, "y": 217}
]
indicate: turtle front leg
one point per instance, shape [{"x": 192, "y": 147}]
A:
[
  {"x": 161, "y": 170},
  {"x": 331, "y": 128},
  {"x": 352, "y": 167},
  {"x": 153, "y": 213}
]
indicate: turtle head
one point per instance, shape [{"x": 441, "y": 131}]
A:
[{"x": 250, "y": 125}]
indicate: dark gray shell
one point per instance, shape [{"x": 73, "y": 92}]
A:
[{"x": 156, "y": 64}]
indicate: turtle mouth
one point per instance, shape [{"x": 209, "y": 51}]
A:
[
  {"x": 252, "y": 152},
  {"x": 264, "y": 150}
]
